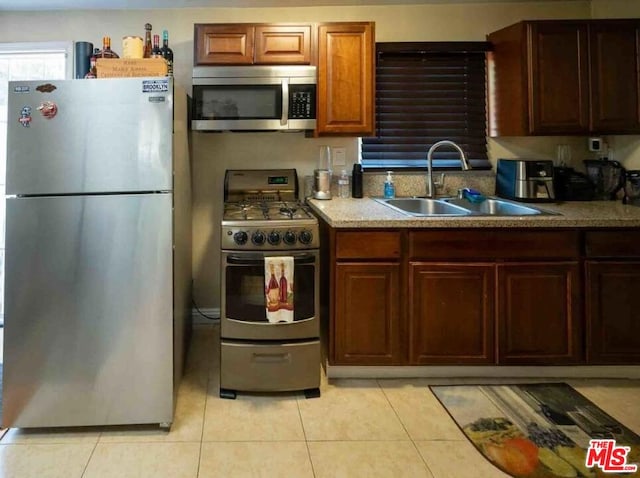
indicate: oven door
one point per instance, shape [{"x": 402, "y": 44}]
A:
[{"x": 243, "y": 311}]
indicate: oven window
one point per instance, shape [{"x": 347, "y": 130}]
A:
[
  {"x": 245, "y": 292},
  {"x": 238, "y": 102}
]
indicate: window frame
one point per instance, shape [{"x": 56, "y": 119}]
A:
[
  {"x": 444, "y": 159},
  {"x": 43, "y": 47}
]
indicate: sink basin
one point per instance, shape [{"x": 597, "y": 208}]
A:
[
  {"x": 496, "y": 207},
  {"x": 461, "y": 207},
  {"x": 425, "y": 207}
]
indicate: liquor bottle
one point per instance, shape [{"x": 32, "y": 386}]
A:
[
  {"x": 273, "y": 288},
  {"x": 106, "y": 51},
  {"x": 147, "y": 41},
  {"x": 155, "y": 51},
  {"x": 167, "y": 53},
  {"x": 92, "y": 73},
  {"x": 284, "y": 288}
]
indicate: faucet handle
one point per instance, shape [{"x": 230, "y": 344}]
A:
[{"x": 438, "y": 183}]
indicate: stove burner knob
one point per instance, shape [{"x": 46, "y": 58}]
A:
[
  {"x": 289, "y": 238},
  {"x": 305, "y": 237},
  {"x": 240, "y": 238},
  {"x": 274, "y": 238},
  {"x": 258, "y": 238}
]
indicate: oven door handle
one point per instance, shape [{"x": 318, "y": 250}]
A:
[{"x": 257, "y": 261}]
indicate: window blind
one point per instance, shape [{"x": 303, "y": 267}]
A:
[{"x": 427, "y": 92}]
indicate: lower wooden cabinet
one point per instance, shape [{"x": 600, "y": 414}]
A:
[
  {"x": 367, "y": 311},
  {"x": 613, "y": 312},
  {"x": 451, "y": 313},
  {"x": 514, "y": 297},
  {"x": 539, "y": 315}
]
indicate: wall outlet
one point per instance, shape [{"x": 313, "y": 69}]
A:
[
  {"x": 339, "y": 156},
  {"x": 595, "y": 144}
]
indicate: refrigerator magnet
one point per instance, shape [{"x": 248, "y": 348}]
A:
[
  {"x": 48, "y": 109},
  {"x": 46, "y": 88},
  {"x": 25, "y": 116}
]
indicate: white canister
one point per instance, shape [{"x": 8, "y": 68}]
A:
[{"x": 132, "y": 47}]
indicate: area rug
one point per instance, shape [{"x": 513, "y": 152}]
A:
[{"x": 543, "y": 430}]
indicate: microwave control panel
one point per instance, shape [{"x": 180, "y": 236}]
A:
[{"x": 302, "y": 104}]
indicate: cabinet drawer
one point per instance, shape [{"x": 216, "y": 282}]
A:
[
  {"x": 463, "y": 244},
  {"x": 368, "y": 245},
  {"x": 618, "y": 243},
  {"x": 292, "y": 366}
]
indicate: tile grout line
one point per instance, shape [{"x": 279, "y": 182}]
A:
[
  {"x": 304, "y": 433},
  {"x": 204, "y": 411},
  {"x": 86, "y": 466},
  {"x": 415, "y": 447}
]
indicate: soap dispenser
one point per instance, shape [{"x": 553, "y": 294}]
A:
[{"x": 389, "y": 187}]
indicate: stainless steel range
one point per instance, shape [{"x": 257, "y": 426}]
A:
[{"x": 264, "y": 222}]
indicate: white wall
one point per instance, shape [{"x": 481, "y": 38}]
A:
[{"x": 213, "y": 153}]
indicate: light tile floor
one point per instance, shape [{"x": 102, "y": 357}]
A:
[{"x": 357, "y": 428}]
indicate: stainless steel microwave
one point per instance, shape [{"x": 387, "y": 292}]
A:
[{"x": 254, "y": 98}]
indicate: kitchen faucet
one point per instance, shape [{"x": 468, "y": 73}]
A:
[{"x": 465, "y": 164}]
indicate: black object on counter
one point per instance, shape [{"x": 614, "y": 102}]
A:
[
  {"x": 608, "y": 177},
  {"x": 356, "y": 181},
  {"x": 83, "y": 52},
  {"x": 571, "y": 185}
]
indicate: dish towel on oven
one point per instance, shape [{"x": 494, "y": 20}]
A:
[{"x": 278, "y": 286}]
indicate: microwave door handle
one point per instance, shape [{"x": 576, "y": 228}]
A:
[{"x": 284, "y": 118}]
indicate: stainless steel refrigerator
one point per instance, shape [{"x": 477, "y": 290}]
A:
[{"x": 98, "y": 252}]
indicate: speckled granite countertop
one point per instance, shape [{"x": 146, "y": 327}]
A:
[{"x": 367, "y": 213}]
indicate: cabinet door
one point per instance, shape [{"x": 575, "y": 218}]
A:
[
  {"x": 558, "y": 78},
  {"x": 452, "y": 313},
  {"x": 223, "y": 44},
  {"x": 366, "y": 321},
  {"x": 614, "y": 51},
  {"x": 612, "y": 312},
  {"x": 283, "y": 44},
  {"x": 539, "y": 315},
  {"x": 345, "y": 78}
]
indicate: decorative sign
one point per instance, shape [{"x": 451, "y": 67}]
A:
[
  {"x": 155, "y": 86},
  {"x": 130, "y": 67}
]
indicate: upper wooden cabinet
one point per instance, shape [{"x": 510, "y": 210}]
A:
[
  {"x": 346, "y": 78},
  {"x": 565, "y": 77},
  {"x": 614, "y": 56},
  {"x": 247, "y": 44}
]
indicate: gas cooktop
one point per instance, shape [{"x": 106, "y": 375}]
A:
[
  {"x": 262, "y": 212},
  {"x": 269, "y": 211}
]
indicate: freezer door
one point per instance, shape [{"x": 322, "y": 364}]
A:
[
  {"x": 88, "y": 136},
  {"x": 88, "y": 318}
]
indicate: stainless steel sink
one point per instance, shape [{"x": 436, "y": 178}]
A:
[
  {"x": 424, "y": 207},
  {"x": 496, "y": 207},
  {"x": 461, "y": 207}
]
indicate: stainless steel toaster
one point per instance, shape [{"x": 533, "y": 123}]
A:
[{"x": 525, "y": 180}]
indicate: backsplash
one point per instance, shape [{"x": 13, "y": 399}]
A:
[{"x": 415, "y": 184}]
